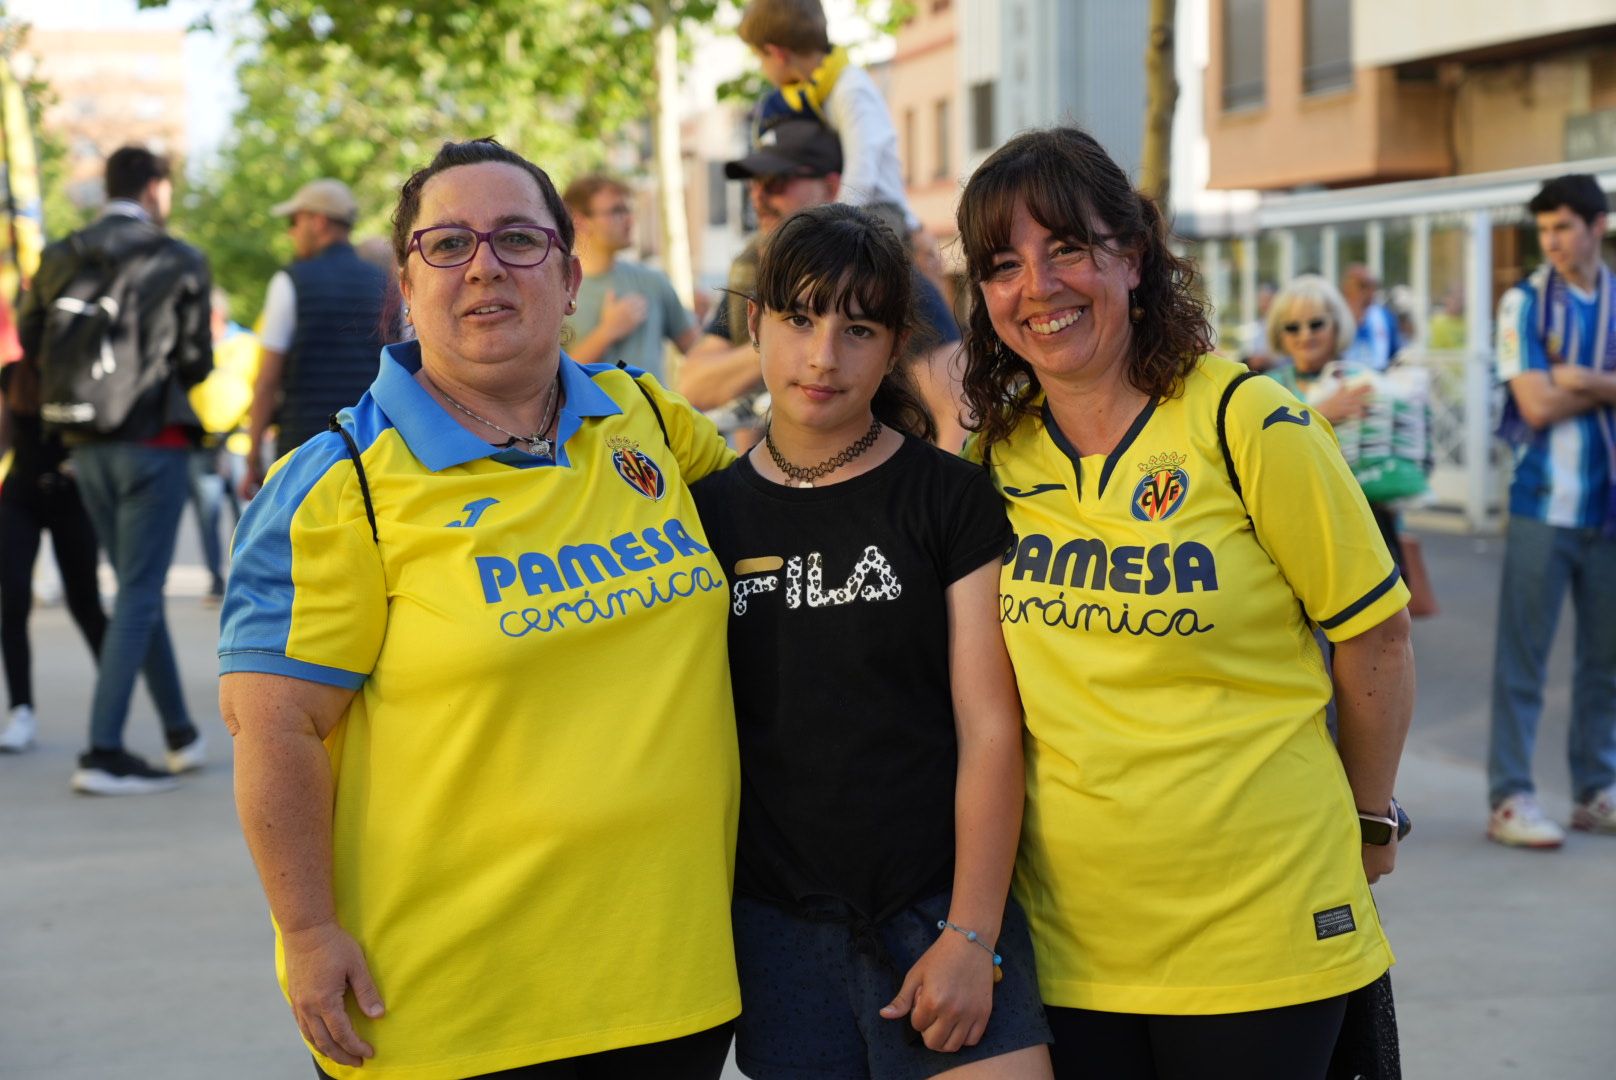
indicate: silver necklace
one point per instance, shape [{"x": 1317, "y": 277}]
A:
[{"x": 536, "y": 443}]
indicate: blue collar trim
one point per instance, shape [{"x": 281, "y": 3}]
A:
[{"x": 436, "y": 438}]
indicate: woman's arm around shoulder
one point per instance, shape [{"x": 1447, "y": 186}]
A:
[
  {"x": 695, "y": 440},
  {"x": 284, "y": 797}
]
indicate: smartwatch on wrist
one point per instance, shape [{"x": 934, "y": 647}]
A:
[{"x": 1379, "y": 829}]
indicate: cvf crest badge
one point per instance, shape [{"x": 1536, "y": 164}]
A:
[
  {"x": 636, "y": 468},
  {"x": 1162, "y": 489}
]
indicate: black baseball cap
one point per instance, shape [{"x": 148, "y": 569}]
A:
[{"x": 792, "y": 147}]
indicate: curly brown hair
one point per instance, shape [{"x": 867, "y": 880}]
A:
[{"x": 1071, "y": 187}]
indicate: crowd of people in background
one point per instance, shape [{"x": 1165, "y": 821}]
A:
[{"x": 1033, "y": 622}]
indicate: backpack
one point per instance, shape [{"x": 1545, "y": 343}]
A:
[{"x": 90, "y": 363}]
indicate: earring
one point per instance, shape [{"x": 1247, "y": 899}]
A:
[
  {"x": 1135, "y": 312},
  {"x": 406, "y": 311},
  {"x": 756, "y": 344},
  {"x": 572, "y": 306}
]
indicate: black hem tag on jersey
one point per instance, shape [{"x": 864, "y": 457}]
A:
[{"x": 1334, "y": 922}]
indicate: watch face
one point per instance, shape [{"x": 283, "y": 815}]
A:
[{"x": 1378, "y": 833}]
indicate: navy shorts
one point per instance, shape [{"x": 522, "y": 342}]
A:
[{"x": 812, "y": 990}]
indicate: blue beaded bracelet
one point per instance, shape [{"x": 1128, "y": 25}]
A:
[{"x": 970, "y": 935}]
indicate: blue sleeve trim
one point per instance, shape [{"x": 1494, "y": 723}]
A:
[
  {"x": 1362, "y": 602},
  {"x": 257, "y": 613},
  {"x": 268, "y": 663}
]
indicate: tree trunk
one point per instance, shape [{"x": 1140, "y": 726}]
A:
[
  {"x": 670, "y": 173},
  {"x": 1161, "y": 97}
]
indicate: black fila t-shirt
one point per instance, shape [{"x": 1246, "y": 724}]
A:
[{"x": 838, "y": 644}]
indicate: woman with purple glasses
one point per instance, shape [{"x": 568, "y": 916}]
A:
[{"x": 472, "y": 660}]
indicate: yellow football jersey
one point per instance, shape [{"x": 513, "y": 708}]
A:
[
  {"x": 1191, "y": 844},
  {"x": 537, "y": 781}
]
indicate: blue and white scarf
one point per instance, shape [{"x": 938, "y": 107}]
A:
[{"x": 1561, "y": 335}]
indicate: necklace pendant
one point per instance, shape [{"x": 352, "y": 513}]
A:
[
  {"x": 539, "y": 447},
  {"x": 805, "y": 483}
]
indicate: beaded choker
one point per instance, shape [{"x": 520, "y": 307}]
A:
[{"x": 804, "y": 478}]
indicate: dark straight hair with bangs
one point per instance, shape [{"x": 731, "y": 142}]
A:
[
  {"x": 1070, "y": 186},
  {"x": 838, "y": 257}
]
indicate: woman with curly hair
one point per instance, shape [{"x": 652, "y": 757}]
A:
[{"x": 1196, "y": 853}]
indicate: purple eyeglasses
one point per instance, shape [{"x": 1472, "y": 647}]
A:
[{"x": 446, "y": 246}]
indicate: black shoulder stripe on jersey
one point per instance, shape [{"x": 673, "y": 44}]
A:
[
  {"x": 649, "y": 400},
  {"x": 334, "y": 424},
  {"x": 1223, "y": 433},
  {"x": 1362, "y": 602}
]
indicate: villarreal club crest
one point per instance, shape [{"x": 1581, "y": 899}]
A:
[
  {"x": 636, "y": 468},
  {"x": 1162, "y": 489}
]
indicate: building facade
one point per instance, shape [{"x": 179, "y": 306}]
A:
[
  {"x": 923, "y": 92},
  {"x": 1407, "y": 137},
  {"x": 112, "y": 88}
]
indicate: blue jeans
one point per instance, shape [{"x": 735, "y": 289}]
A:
[
  {"x": 1541, "y": 562},
  {"x": 135, "y": 496},
  {"x": 211, "y": 491}
]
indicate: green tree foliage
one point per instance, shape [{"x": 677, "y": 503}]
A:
[{"x": 364, "y": 91}]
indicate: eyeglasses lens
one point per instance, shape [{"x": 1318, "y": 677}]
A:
[
  {"x": 1312, "y": 325},
  {"x": 514, "y": 245}
]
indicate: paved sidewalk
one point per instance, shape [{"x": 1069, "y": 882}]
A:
[{"x": 134, "y": 941}]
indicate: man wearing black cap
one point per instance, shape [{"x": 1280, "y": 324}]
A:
[
  {"x": 322, "y": 325},
  {"x": 796, "y": 164}
]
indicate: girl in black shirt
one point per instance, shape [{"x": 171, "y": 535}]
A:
[{"x": 880, "y": 730}]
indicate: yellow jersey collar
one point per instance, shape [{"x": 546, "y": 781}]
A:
[{"x": 438, "y": 441}]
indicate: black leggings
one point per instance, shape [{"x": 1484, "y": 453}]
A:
[
  {"x": 22, "y": 519},
  {"x": 1290, "y": 1043},
  {"x": 693, "y": 1057}
]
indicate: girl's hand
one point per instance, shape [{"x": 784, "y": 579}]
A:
[{"x": 948, "y": 994}]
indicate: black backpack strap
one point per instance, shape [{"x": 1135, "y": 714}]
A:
[
  {"x": 649, "y": 400},
  {"x": 333, "y": 424},
  {"x": 1223, "y": 433}
]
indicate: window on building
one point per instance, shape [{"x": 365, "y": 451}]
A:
[
  {"x": 717, "y": 195},
  {"x": 943, "y": 121},
  {"x": 911, "y": 152},
  {"x": 1327, "y": 47},
  {"x": 982, "y": 116},
  {"x": 1244, "y": 26}
]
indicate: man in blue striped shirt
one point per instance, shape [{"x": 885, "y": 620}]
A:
[{"x": 1557, "y": 356}]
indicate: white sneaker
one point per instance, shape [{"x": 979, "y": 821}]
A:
[
  {"x": 114, "y": 772},
  {"x": 19, "y": 733},
  {"x": 1598, "y": 814},
  {"x": 188, "y": 758},
  {"x": 1519, "y": 821}
]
